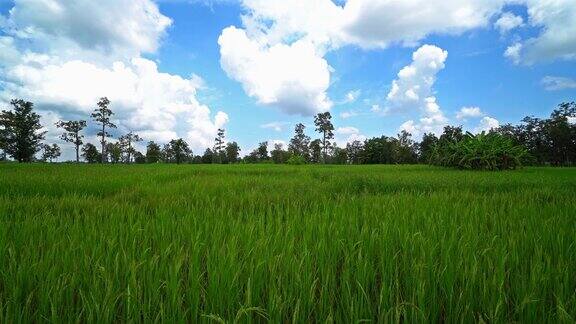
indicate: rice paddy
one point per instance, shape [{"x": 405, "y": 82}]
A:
[{"x": 276, "y": 243}]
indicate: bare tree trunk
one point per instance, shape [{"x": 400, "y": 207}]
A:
[{"x": 103, "y": 142}]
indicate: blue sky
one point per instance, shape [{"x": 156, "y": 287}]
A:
[{"x": 178, "y": 69}]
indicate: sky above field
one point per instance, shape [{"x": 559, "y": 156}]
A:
[{"x": 184, "y": 68}]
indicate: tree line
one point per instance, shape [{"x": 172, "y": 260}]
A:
[{"x": 534, "y": 141}]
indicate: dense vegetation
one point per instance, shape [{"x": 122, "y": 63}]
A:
[
  {"x": 535, "y": 141},
  {"x": 105, "y": 243}
]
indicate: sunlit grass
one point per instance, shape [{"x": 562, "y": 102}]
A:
[{"x": 192, "y": 243}]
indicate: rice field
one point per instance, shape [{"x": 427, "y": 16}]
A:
[{"x": 280, "y": 244}]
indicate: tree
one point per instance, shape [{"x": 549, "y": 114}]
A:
[
  {"x": 72, "y": 134},
  {"x": 208, "y": 156},
  {"x": 405, "y": 148},
  {"x": 153, "y": 152},
  {"x": 219, "y": 153},
  {"x": 139, "y": 158},
  {"x": 167, "y": 154},
  {"x": 102, "y": 115},
  {"x": 113, "y": 152},
  {"x": 262, "y": 151},
  {"x": 90, "y": 153},
  {"x": 340, "y": 155},
  {"x": 232, "y": 152},
  {"x": 354, "y": 152},
  {"x": 316, "y": 151},
  {"x": 426, "y": 147},
  {"x": 180, "y": 150},
  {"x": 278, "y": 154},
  {"x": 50, "y": 152},
  {"x": 127, "y": 143},
  {"x": 324, "y": 126},
  {"x": 300, "y": 142},
  {"x": 21, "y": 131}
]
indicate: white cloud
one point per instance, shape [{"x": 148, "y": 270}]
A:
[
  {"x": 64, "y": 56},
  {"x": 513, "y": 52},
  {"x": 292, "y": 77},
  {"x": 377, "y": 23},
  {"x": 276, "y": 126},
  {"x": 552, "y": 83},
  {"x": 145, "y": 100},
  {"x": 413, "y": 90},
  {"x": 348, "y": 114},
  {"x": 486, "y": 124},
  {"x": 118, "y": 28},
  {"x": 469, "y": 112},
  {"x": 507, "y": 22},
  {"x": 351, "y": 97},
  {"x": 347, "y": 134},
  {"x": 557, "y": 40}
]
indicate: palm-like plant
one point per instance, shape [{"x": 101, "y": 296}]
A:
[{"x": 484, "y": 151}]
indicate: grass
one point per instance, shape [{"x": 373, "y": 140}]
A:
[{"x": 257, "y": 243}]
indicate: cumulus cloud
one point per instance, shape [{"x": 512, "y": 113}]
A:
[
  {"x": 557, "y": 40},
  {"x": 293, "y": 77},
  {"x": 507, "y": 22},
  {"x": 327, "y": 25},
  {"x": 486, "y": 124},
  {"x": 347, "y": 134},
  {"x": 114, "y": 27},
  {"x": 64, "y": 61},
  {"x": 553, "y": 83},
  {"x": 469, "y": 112},
  {"x": 413, "y": 90}
]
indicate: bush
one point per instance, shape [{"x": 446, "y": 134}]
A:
[
  {"x": 484, "y": 151},
  {"x": 296, "y": 160}
]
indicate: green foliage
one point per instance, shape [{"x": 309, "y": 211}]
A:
[
  {"x": 72, "y": 129},
  {"x": 296, "y": 160},
  {"x": 90, "y": 153},
  {"x": 50, "y": 152},
  {"x": 484, "y": 151},
  {"x": 285, "y": 244},
  {"x": 20, "y": 131},
  {"x": 153, "y": 152}
]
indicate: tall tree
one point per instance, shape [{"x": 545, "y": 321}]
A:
[
  {"x": 153, "y": 152},
  {"x": 278, "y": 154},
  {"x": 21, "y": 131},
  {"x": 207, "y": 157},
  {"x": 50, "y": 152},
  {"x": 405, "y": 151},
  {"x": 324, "y": 126},
  {"x": 127, "y": 142},
  {"x": 113, "y": 152},
  {"x": 316, "y": 151},
  {"x": 232, "y": 152},
  {"x": 429, "y": 140},
  {"x": 299, "y": 144},
  {"x": 262, "y": 151},
  {"x": 102, "y": 115},
  {"x": 72, "y": 134},
  {"x": 180, "y": 150},
  {"x": 354, "y": 152},
  {"x": 219, "y": 147},
  {"x": 90, "y": 153}
]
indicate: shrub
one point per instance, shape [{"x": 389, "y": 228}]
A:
[
  {"x": 296, "y": 160},
  {"x": 484, "y": 151}
]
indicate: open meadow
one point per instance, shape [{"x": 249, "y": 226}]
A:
[{"x": 277, "y": 243}]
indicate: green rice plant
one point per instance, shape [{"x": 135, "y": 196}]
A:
[{"x": 279, "y": 243}]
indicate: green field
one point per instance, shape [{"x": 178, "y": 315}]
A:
[{"x": 189, "y": 243}]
